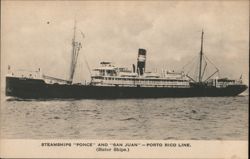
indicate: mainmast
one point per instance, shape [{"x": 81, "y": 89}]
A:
[
  {"x": 203, "y": 59},
  {"x": 201, "y": 54},
  {"x": 76, "y": 46}
]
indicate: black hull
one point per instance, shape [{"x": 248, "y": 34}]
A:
[{"x": 38, "y": 89}]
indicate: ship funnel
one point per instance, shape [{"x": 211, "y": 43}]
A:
[{"x": 141, "y": 61}]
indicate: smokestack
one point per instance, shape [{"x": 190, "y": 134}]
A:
[{"x": 141, "y": 61}]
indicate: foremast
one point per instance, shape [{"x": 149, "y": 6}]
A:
[{"x": 76, "y": 46}]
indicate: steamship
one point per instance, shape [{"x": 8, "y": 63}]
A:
[{"x": 109, "y": 81}]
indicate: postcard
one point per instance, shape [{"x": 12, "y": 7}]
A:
[{"x": 124, "y": 79}]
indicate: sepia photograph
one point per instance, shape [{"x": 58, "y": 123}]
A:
[{"x": 125, "y": 70}]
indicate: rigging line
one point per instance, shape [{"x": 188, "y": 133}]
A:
[
  {"x": 85, "y": 59},
  {"x": 189, "y": 62},
  {"x": 86, "y": 62},
  {"x": 76, "y": 57},
  {"x": 212, "y": 75},
  {"x": 74, "y": 66},
  {"x": 195, "y": 75},
  {"x": 191, "y": 78},
  {"x": 217, "y": 70},
  {"x": 211, "y": 62},
  {"x": 204, "y": 69},
  {"x": 73, "y": 53},
  {"x": 192, "y": 64},
  {"x": 193, "y": 69},
  {"x": 189, "y": 71}
]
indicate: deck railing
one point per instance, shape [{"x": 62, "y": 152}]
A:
[{"x": 141, "y": 82}]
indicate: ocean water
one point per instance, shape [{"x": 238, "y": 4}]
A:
[{"x": 204, "y": 118}]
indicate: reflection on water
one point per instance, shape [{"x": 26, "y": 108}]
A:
[{"x": 167, "y": 118}]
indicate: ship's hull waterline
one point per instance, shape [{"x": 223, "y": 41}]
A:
[{"x": 36, "y": 88}]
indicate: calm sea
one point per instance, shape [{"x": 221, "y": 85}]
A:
[{"x": 164, "y": 119}]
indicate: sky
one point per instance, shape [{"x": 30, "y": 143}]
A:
[{"x": 39, "y": 35}]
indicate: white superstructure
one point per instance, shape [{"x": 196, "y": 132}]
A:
[{"x": 109, "y": 75}]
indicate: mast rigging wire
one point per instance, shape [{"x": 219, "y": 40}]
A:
[{"x": 85, "y": 59}]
